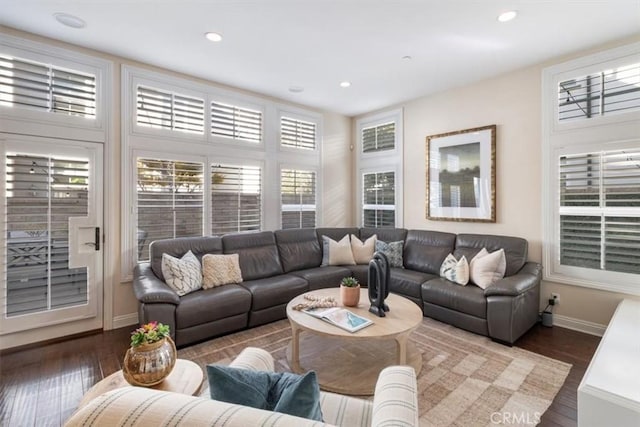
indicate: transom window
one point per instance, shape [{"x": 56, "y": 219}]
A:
[
  {"x": 379, "y": 138},
  {"x": 230, "y": 121},
  {"x": 297, "y": 133},
  {"x": 168, "y": 110}
]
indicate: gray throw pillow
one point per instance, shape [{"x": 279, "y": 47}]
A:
[
  {"x": 393, "y": 251},
  {"x": 282, "y": 392}
]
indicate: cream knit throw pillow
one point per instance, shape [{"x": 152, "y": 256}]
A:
[{"x": 218, "y": 270}]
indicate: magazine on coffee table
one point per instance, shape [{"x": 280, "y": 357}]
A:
[{"x": 340, "y": 317}]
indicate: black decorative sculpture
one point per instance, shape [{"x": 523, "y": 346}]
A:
[{"x": 378, "y": 283}]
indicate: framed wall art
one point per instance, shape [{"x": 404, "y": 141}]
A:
[{"x": 461, "y": 175}]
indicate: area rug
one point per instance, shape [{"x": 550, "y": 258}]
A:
[{"x": 466, "y": 379}]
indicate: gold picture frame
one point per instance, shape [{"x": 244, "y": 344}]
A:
[{"x": 461, "y": 175}]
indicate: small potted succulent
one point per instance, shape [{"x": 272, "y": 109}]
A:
[
  {"x": 151, "y": 356},
  {"x": 350, "y": 291}
]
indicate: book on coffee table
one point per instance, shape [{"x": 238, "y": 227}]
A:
[{"x": 340, "y": 317}]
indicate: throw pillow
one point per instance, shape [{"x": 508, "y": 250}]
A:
[
  {"x": 487, "y": 268},
  {"x": 454, "y": 270},
  {"x": 282, "y": 392},
  {"x": 336, "y": 253},
  {"x": 393, "y": 251},
  {"x": 183, "y": 275},
  {"x": 218, "y": 270},
  {"x": 363, "y": 252}
]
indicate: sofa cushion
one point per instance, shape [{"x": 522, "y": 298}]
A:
[
  {"x": 363, "y": 250},
  {"x": 426, "y": 250},
  {"x": 258, "y": 253},
  {"x": 515, "y": 248},
  {"x": 299, "y": 249},
  {"x": 393, "y": 251},
  {"x": 336, "y": 253},
  {"x": 180, "y": 246},
  {"x": 323, "y": 277},
  {"x": 208, "y": 305},
  {"x": 468, "y": 299},
  {"x": 273, "y": 291},
  {"x": 218, "y": 270},
  {"x": 183, "y": 275},
  {"x": 282, "y": 392},
  {"x": 384, "y": 234},
  {"x": 360, "y": 272},
  {"x": 407, "y": 282},
  {"x": 454, "y": 270}
]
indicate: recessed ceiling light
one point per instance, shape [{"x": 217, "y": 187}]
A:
[
  {"x": 214, "y": 37},
  {"x": 507, "y": 16},
  {"x": 345, "y": 84},
  {"x": 407, "y": 58},
  {"x": 69, "y": 20},
  {"x": 296, "y": 89}
]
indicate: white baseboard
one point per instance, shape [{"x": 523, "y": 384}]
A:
[
  {"x": 590, "y": 328},
  {"x": 125, "y": 320}
]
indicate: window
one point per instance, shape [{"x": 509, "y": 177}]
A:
[
  {"x": 591, "y": 171},
  {"x": 600, "y": 210},
  {"x": 296, "y": 133},
  {"x": 610, "y": 91},
  {"x": 379, "y": 163},
  {"x": 230, "y": 121},
  {"x": 379, "y": 199},
  {"x": 379, "y": 137},
  {"x": 298, "y": 196},
  {"x": 236, "y": 193},
  {"x": 43, "y": 87},
  {"x": 168, "y": 110},
  {"x": 170, "y": 201}
]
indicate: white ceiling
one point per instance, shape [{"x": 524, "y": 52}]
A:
[{"x": 271, "y": 45}]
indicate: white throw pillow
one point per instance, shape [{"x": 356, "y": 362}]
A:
[
  {"x": 183, "y": 275},
  {"x": 337, "y": 253},
  {"x": 218, "y": 270},
  {"x": 487, "y": 268},
  {"x": 454, "y": 270},
  {"x": 363, "y": 252}
]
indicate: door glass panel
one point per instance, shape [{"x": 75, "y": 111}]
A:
[{"x": 42, "y": 193}]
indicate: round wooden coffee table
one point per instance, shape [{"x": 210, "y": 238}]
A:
[
  {"x": 186, "y": 377},
  {"x": 349, "y": 363}
]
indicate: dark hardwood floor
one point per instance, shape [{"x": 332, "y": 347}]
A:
[{"x": 42, "y": 385}]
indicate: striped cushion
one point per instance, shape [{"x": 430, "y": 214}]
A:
[
  {"x": 395, "y": 402},
  {"x": 345, "y": 411},
  {"x": 138, "y": 407}
]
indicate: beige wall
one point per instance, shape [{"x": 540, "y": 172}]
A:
[
  {"x": 513, "y": 102},
  {"x": 336, "y": 188}
]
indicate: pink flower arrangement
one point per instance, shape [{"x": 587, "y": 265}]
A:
[{"x": 149, "y": 333}]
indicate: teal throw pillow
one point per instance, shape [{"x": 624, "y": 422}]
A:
[
  {"x": 393, "y": 251},
  {"x": 282, "y": 392}
]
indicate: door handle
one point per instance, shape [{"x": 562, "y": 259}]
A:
[{"x": 96, "y": 240}]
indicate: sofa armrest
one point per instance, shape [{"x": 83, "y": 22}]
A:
[
  {"x": 396, "y": 398},
  {"x": 254, "y": 359},
  {"x": 527, "y": 278},
  {"x": 149, "y": 289}
]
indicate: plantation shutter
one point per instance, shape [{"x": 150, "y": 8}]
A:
[
  {"x": 607, "y": 92},
  {"x": 167, "y": 110},
  {"x": 42, "y": 194},
  {"x": 596, "y": 190},
  {"x": 235, "y": 198},
  {"x": 379, "y": 138},
  {"x": 298, "y": 196},
  {"x": 378, "y": 199},
  {"x": 43, "y": 87},
  {"x": 170, "y": 200},
  {"x": 230, "y": 121},
  {"x": 297, "y": 133}
]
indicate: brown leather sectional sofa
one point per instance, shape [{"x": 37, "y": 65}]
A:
[{"x": 277, "y": 266}]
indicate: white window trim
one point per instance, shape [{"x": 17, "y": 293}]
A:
[
  {"x": 601, "y": 133},
  {"x": 306, "y": 168},
  {"x": 42, "y": 123},
  {"x": 381, "y": 161},
  {"x": 299, "y": 114}
]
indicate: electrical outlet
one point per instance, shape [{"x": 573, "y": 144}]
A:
[{"x": 556, "y": 298}]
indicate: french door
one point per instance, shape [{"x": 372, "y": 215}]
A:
[{"x": 51, "y": 216}]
